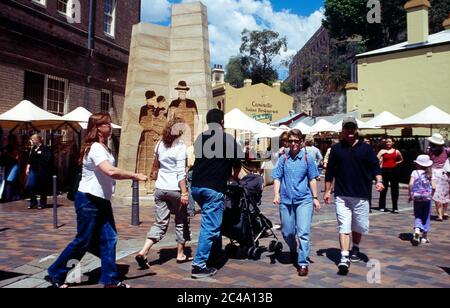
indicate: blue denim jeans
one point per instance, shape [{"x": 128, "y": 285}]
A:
[
  {"x": 210, "y": 240},
  {"x": 296, "y": 221},
  {"x": 96, "y": 232},
  {"x": 37, "y": 185}
]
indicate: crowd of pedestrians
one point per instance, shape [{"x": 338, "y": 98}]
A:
[{"x": 199, "y": 174}]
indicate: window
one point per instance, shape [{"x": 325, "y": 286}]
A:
[
  {"x": 47, "y": 92},
  {"x": 41, "y": 2},
  {"x": 55, "y": 95},
  {"x": 105, "y": 101},
  {"x": 109, "y": 17},
  {"x": 61, "y": 6}
]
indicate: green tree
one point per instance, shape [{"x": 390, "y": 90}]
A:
[
  {"x": 438, "y": 13},
  {"x": 258, "y": 49},
  {"x": 236, "y": 71},
  {"x": 348, "y": 18}
]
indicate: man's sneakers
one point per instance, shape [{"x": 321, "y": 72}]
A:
[
  {"x": 354, "y": 255},
  {"x": 199, "y": 273},
  {"x": 416, "y": 238},
  {"x": 424, "y": 240},
  {"x": 344, "y": 265}
]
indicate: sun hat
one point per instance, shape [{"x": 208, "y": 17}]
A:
[
  {"x": 423, "y": 160},
  {"x": 437, "y": 139}
]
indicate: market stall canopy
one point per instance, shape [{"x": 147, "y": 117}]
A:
[
  {"x": 305, "y": 129},
  {"x": 338, "y": 126},
  {"x": 384, "y": 118},
  {"x": 236, "y": 119},
  {"x": 27, "y": 112},
  {"x": 81, "y": 115},
  {"x": 431, "y": 116},
  {"x": 321, "y": 126},
  {"x": 270, "y": 132}
]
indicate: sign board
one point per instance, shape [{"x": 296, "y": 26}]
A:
[{"x": 258, "y": 117}]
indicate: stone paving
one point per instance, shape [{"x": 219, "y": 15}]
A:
[{"x": 29, "y": 244}]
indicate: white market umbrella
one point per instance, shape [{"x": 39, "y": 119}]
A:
[
  {"x": 27, "y": 112},
  {"x": 321, "y": 126},
  {"x": 384, "y": 118},
  {"x": 305, "y": 129},
  {"x": 429, "y": 117},
  {"x": 236, "y": 119},
  {"x": 338, "y": 126},
  {"x": 270, "y": 132},
  {"x": 81, "y": 115}
]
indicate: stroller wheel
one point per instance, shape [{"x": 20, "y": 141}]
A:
[
  {"x": 272, "y": 246},
  {"x": 254, "y": 253},
  {"x": 231, "y": 250},
  {"x": 278, "y": 247}
]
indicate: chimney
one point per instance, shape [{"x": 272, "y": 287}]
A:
[
  {"x": 247, "y": 83},
  {"x": 217, "y": 75},
  {"x": 417, "y": 20},
  {"x": 446, "y": 23},
  {"x": 277, "y": 85}
]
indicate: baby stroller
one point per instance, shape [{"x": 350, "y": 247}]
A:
[{"x": 243, "y": 222}]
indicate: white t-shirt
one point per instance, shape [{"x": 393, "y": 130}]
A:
[
  {"x": 93, "y": 180},
  {"x": 172, "y": 165}
]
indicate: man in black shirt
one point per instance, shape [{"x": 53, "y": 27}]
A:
[
  {"x": 216, "y": 156},
  {"x": 352, "y": 164}
]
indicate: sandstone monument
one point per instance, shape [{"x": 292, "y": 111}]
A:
[{"x": 167, "y": 62}]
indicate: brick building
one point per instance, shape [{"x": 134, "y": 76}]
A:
[
  {"x": 60, "y": 56},
  {"x": 305, "y": 62},
  {"x": 310, "y": 60}
]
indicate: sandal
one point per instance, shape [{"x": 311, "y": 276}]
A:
[
  {"x": 142, "y": 261},
  {"x": 186, "y": 259}
]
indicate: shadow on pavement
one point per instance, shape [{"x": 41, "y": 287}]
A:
[
  {"x": 8, "y": 275},
  {"x": 446, "y": 269},
  {"x": 407, "y": 237},
  {"x": 167, "y": 254},
  {"x": 333, "y": 254},
  {"x": 94, "y": 276}
]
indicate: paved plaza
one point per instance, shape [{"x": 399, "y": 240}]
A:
[{"x": 29, "y": 244}]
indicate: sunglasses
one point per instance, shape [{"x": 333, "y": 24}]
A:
[{"x": 294, "y": 141}]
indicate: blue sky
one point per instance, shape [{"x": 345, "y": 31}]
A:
[
  {"x": 297, "y": 20},
  {"x": 299, "y": 7}
]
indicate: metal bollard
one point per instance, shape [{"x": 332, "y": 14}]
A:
[
  {"x": 135, "y": 204},
  {"x": 55, "y": 204}
]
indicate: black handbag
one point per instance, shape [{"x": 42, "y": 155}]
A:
[{"x": 73, "y": 190}]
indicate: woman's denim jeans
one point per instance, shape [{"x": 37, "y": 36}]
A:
[
  {"x": 96, "y": 232},
  {"x": 296, "y": 223}
]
